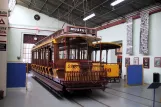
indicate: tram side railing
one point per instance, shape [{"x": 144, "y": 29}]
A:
[{"x": 85, "y": 76}]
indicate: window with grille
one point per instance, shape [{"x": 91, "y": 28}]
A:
[{"x": 27, "y": 52}]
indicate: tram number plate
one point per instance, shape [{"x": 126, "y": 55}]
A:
[
  {"x": 71, "y": 66},
  {"x": 108, "y": 69}
]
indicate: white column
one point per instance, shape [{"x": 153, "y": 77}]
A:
[{"x": 3, "y": 42}]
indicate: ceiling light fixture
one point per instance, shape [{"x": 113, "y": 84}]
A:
[
  {"x": 116, "y": 2},
  {"x": 89, "y": 17}
]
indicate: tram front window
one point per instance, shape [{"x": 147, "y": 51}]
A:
[
  {"x": 73, "y": 51},
  {"x": 74, "y": 54}
]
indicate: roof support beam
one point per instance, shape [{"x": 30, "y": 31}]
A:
[
  {"x": 134, "y": 8},
  {"x": 93, "y": 8},
  {"x": 70, "y": 5},
  {"x": 74, "y": 7},
  {"x": 144, "y": 4},
  {"x": 56, "y": 9},
  {"x": 43, "y": 5},
  {"x": 30, "y": 4},
  {"x": 114, "y": 12},
  {"x": 117, "y": 8},
  {"x": 34, "y": 8}
]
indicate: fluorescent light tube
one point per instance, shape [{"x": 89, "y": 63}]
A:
[
  {"x": 88, "y": 17},
  {"x": 116, "y": 2}
]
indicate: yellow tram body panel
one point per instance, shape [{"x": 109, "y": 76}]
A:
[
  {"x": 96, "y": 67},
  {"x": 113, "y": 70},
  {"x": 72, "y": 67},
  {"x": 73, "y": 72}
]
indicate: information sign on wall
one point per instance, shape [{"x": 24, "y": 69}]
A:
[
  {"x": 3, "y": 13},
  {"x": 136, "y": 61},
  {"x": 3, "y": 30},
  {"x": 157, "y": 62},
  {"x": 146, "y": 62},
  {"x": 2, "y": 46},
  {"x": 3, "y": 25},
  {"x": 127, "y": 61}
]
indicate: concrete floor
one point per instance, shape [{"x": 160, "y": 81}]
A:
[{"x": 115, "y": 96}]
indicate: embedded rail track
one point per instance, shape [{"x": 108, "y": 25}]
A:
[
  {"x": 84, "y": 98},
  {"x": 122, "y": 93},
  {"x": 77, "y": 97},
  {"x": 133, "y": 94},
  {"x": 69, "y": 96}
]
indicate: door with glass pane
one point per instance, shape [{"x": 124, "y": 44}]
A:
[{"x": 27, "y": 54}]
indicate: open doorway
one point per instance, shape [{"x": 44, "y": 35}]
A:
[{"x": 28, "y": 42}]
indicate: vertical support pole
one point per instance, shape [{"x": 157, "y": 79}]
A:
[
  {"x": 39, "y": 56},
  {"x": 65, "y": 50},
  {"x": 154, "y": 98},
  {"x": 106, "y": 56},
  {"x": 36, "y": 57},
  {"x": 68, "y": 49},
  {"x": 89, "y": 53},
  {"x": 83, "y": 51},
  {"x": 32, "y": 57},
  {"x": 45, "y": 56},
  {"x": 48, "y": 56},
  {"x": 95, "y": 55},
  {"x": 37, "y": 52},
  {"x": 75, "y": 53},
  {"x": 100, "y": 55},
  {"x": 56, "y": 52},
  {"x": 78, "y": 53}
]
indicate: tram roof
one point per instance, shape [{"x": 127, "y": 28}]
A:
[
  {"x": 87, "y": 37},
  {"x": 105, "y": 46},
  {"x": 88, "y": 34}
]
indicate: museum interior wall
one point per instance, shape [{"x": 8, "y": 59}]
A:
[
  {"x": 119, "y": 32},
  {"x": 21, "y": 21}
]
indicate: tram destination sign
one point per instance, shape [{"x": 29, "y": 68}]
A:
[{"x": 81, "y": 30}]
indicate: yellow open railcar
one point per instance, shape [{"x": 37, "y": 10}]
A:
[{"x": 113, "y": 70}]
